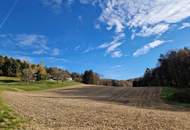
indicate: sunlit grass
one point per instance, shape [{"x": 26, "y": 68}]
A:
[
  {"x": 14, "y": 84},
  {"x": 8, "y": 119}
]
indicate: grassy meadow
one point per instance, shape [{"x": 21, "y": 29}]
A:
[{"x": 14, "y": 84}]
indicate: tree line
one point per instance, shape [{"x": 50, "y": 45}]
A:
[
  {"x": 90, "y": 77},
  {"x": 28, "y": 72},
  {"x": 173, "y": 70}
]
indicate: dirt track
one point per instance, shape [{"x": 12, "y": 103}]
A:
[{"x": 98, "y": 108}]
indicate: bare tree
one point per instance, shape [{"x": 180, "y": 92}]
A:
[{"x": 27, "y": 75}]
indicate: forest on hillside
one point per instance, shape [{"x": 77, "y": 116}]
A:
[{"x": 173, "y": 70}]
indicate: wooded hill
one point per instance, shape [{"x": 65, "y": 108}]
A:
[{"x": 173, "y": 70}]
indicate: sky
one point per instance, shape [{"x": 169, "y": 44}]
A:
[{"x": 118, "y": 39}]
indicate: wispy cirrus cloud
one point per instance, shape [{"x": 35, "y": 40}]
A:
[
  {"x": 156, "y": 30},
  {"x": 36, "y": 43},
  {"x": 89, "y": 49},
  {"x": 146, "y": 48},
  {"x": 57, "y": 5},
  {"x": 31, "y": 40},
  {"x": 77, "y": 48},
  {"x": 117, "y": 54},
  {"x": 184, "y": 25},
  {"x": 149, "y": 16},
  {"x": 143, "y": 17},
  {"x": 80, "y": 18},
  {"x": 55, "y": 52},
  {"x": 112, "y": 47},
  {"x": 39, "y": 52},
  {"x": 115, "y": 66},
  {"x": 70, "y": 2},
  {"x": 59, "y": 59}
]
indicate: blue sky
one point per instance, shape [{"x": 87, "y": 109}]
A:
[{"x": 116, "y": 38}]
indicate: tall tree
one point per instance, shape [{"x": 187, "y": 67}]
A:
[
  {"x": 76, "y": 77},
  {"x": 27, "y": 75},
  {"x": 40, "y": 72},
  {"x": 89, "y": 77}
]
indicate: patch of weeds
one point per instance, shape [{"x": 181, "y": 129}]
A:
[
  {"x": 179, "y": 96},
  {"x": 8, "y": 119}
]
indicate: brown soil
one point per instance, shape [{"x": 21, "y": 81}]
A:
[{"x": 98, "y": 108}]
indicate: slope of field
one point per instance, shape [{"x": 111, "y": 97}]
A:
[{"x": 98, "y": 108}]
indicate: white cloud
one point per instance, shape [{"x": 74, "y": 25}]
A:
[
  {"x": 97, "y": 26},
  {"x": 89, "y": 49},
  {"x": 55, "y": 52},
  {"x": 89, "y": 1},
  {"x": 116, "y": 54},
  {"x": 53, "y": 59},
  {"x": 39, "y": 52},
  {"x": 36, "y": 43},
  {"x": 80, "y": 18},
  {"x": 31, "y": 40},
  {"x": 145, "y": 49},
  {"x": 56, "y": 5},
  {"x": 143, "y": 17},
  {"x": 77, "y": 48},
  {"x": 149, "y": 16},
  {"x": 184, "y": 25},
  {"x": 70, "y": 2},
  {"x": 155, "y": 30},
  {"x": 115, "y": 66},
  {"x": 112, "y": 47}
]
